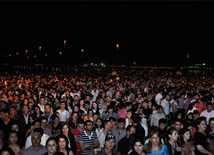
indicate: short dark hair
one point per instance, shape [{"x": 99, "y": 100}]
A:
[
  {"x": 162, "y": 121},
  {"x": 88, "y": 121},
  {"x": 121, "y": 120},
  {"x": 5, "y": 111}
]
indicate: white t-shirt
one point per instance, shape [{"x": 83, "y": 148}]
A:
[
  {"x": 158, "y": 97},
  {"x": 208, "y": 115},
  {"x": 165, "y": 105},
  {"x": 63, "y": 115}
]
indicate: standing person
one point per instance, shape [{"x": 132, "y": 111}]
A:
[
  {"x": 65, "y": 130},
  {"x": 64, "y": 114},
  {"x": 173, "y": 146},
  {"x": 110, "y": 113},
  {"x": 165, "y": 104},
  {"x": 109, "y": 145},
  {"x": 54, "y": 131},
  {"x": 77, "y": 131},
  {"x": 36, "y": 147},
  {"x": 14, "y": 142},
  {"x": 42, "y": 104},
  {"x": 62, "y": 143},
  {"x": 137, "y": 149},
  {"x": 48, "y": 113},
  {"x": 107, "y": 128},
  {"x": 51, "y": 146},
  {"x": 5, "y": 121},
  {"x": 125, "y": 140},
  {"x": 154, "y": 145},
  {"x": 88, "y": 139},
  {"x": 186, "y": 142},
  {"x": 120, "y": 131},
  {"x": 201, "y": 139},
  {"x": 157, "y": 116},
  {"x": 209, "y": 112}
]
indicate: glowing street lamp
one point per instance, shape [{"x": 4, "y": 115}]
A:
[
  {"x": 60, "y": 53},
  {"x": 40, "y": 48},
  {"x": 26, "y": 51},
  {"x": 64, "y": 43},
  {"x": 46, "y": 55},
  {"x": 10, "y": 55},
  {"x": 117, "y": 45},
  {"x": 82, "y": 50},
  {"x": 17, "y": 53}
]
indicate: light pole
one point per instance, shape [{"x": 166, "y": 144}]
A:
[
  {"x": 82, "y": 51},
  {"x": 117, "y": 50}
]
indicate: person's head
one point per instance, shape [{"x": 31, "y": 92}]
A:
[
  {"x": 196, "y": 104},
  {"x": 51, "y": 145},
  {"x": 159, "y": 109},
  {"x": 43, "y": 121},
  {"x": 74, "y": 116},
  {"x": 138, "y": 144},
  {"x": 88, "y": 125},
  {"x": 55, "y": 119},
  {"x": 4, "y": 114},
  {"x": 154, "y": 140},
  {"x": 36, "y": 124},
  {"x": 110, "y": 109},
  {"x": 211, "y": 123},
  {"x": 42, "y": 100},
  {"x": 201, "y": 123},
  {"x": 90, "y": 112},
  {"x": 87, "y": 105},
  {"x": 80, "y": 123},
  {"x": 47, "y": 109},
  {"x": 76, "y": 108},
  {"x": 177, "y": 124},
  {"x": 107, "y": 125},
  {"x": 62, "y": 142},
  {"x": 190, "y": 115},
  {"x": 7, "y": 151},
  {"x": 13, "y": 137},
  {"x": 113, "y": 121},
  {"x": 196, "y": 114},
  {"x": 15, "y": 127},
  {"x": 99, "y": 122},
  {"x": 172, "y": 134},
  {"x": 130, "y": 130},
  {"x": 25, "y": 109},
  {"x": 12, "y": 110},
  {"x": 64, "y": 128},
  {"x": 120, "y": 123},
  {"x": 85, "y": 117},
  {"x": 162, "y": 124},
  {"x": 62, "y": 104},
  {"x": 110, "y": 141},
  {"x": 209, "y": 106},
  {"x": 185, "y": 134},
  {"x": 36, "y": 139},
  {"x": 135, "y": 118}
]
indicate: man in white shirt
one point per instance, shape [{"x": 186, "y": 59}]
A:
[
  {"x": 165, "y": 104},
  {"x": 42, "y": 104},
  {"x": 95, "y": 93},
  {"x": 158, "y": 97},
  {"x": 209, "y": 112}
]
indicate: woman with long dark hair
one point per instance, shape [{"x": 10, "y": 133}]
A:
[
  {"x": 202, "y": 142},
  {"x": 65, "y": 130},
  {"x": 14, "y": 143},
  {"x": 186, "y": 142},
  {"x": 62, "y": 143},
  {"x": 138, "y": 146}
]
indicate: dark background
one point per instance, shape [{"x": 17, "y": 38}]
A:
[{"x": 148, "y": 33}]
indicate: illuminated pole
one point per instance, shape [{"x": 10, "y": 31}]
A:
[
  {"x": 117, "y": 50},
  {"x": 82, "y": 51}
]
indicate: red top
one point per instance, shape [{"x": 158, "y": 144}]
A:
[{"x": 76, "y": 133}]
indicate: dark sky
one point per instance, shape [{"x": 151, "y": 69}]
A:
[{"x": 150, "y": 33}]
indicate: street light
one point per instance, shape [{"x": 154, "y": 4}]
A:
[
  {"x": 82, "y": 50},
  {"x": 64, "y": 43},
  {"x": 40, "y": 48},
  {"x": 26, "y": 51},
  {"x": 117, "y": 49},
  {"x": 60, "y": 53}
]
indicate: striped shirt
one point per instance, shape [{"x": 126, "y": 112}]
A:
[{"x": 86, "y": 139}]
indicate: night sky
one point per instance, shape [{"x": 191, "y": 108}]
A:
[{"x": 149, "y": 33}]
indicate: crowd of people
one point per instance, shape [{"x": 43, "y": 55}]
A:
[{"x": 114, "y": 111}]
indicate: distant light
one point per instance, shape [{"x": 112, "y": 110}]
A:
[
  {"x": 26, "y": 51},
  {"x": 102, "y": 64},
  {"x": 17, "y": 53},
  {"x": 60, "y": 53},
  {"x": 40, "y": 48},
  {"x": 204, "y": 64},
  {"x": 9, "y": 55},
  {"x": 92, "y": 64},
  {"x": 46, "y": 55},
  {"x": 34, "y": 56},
  {"x": 117, "y": 45},
  {"x": 187, "y": 55},
  {"x": 28, "y": 57},
  {"x": 134, "y": 63},
  {"x": 82, "y": 50}
]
